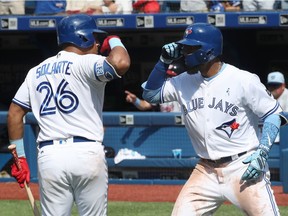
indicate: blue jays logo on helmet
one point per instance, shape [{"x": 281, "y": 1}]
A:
[
  {"x": 229, "y": 127},
  {"x": 207, "y": 37},
  {"x": 78, "y": 30},
  {"x": 188, "y": 31}
]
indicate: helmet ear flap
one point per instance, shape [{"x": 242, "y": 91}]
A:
[
  {"x": 200, "y": 57},
  {"x": 209, "y": 55},
  {"x": 83, "y": 38}
]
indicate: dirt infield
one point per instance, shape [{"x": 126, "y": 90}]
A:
[{"x": 137, "y": 193}]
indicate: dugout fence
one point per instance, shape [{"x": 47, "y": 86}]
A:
[{"x": 153, "y": 135}]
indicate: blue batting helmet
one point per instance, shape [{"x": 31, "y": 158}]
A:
[
  {"x": 78, "y": 30},
  {"x": 207, "y": 37}
]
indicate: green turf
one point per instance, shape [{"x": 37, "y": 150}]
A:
[{"x": 16, "y": 208}]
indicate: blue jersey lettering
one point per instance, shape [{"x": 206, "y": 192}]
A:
[{"x": 62, "y": 67}]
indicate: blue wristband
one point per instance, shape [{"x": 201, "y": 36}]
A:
[
  {"x": 137, "y": 102},
  {"x": 19, "y": 147},
  {"x": 113, "y": 42}
]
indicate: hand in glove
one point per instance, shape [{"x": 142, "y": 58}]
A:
[
  {"x": 23, "y": 173},
  {"x": 106, "y": 47},
  {"x": 257, "y": 164},
  {"x": 170, "y": 52}
]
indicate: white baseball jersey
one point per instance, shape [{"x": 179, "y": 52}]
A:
[
  {"x": 221, "y": 113},
  {"x": 66, "y": 93}
]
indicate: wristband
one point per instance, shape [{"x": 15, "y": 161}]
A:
[
  {"x": 165, "y": 61},
  {"x": 19, "y": 147},
  {"x": 137, "y": 102},
  {"x": 113, "y": 42}
]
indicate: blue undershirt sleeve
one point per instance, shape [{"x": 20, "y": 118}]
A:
[
  {"x": 152, "y": 87},
  {"x": 157, "y": 76}
]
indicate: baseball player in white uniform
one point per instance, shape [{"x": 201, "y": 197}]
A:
[
  {"x": 221, "y": 105},
  {"x": 65, "y": 93}
]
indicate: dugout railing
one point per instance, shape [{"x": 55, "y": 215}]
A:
[{"x": 153, "y": 135}]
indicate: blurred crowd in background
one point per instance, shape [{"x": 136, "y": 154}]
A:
[{"x": 53, "y": 7}]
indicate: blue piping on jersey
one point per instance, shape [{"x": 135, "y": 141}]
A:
[
  {"x": 21, "y": 104},
  {"x": 219, "y": 72},
  {"x": 270, "y": 195},
  {"x": 271, "y": 111}
]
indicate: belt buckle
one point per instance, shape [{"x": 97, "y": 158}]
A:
[
  {"x": 234, "y": 157},
  {"x": 63, "y": 141},
  {"x": 59, "y": 142}
]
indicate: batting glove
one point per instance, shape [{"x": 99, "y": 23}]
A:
[
  {"x": 106, "y": 46},
  {"x": 257, "y": 164},
  {"x": 23, "y": 174},
  {"x": 170, "y": 52}
]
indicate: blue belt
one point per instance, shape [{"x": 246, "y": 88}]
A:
[{"x": 75, "y": 139}]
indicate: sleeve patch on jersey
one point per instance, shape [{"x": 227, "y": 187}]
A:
[{"x": 105, "y": 72}]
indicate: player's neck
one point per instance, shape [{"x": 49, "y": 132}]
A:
[
  {"x": 80, "y": 51},
  {"x": 211, "y": 69}
]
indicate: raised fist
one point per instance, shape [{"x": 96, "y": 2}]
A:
[
  {"x": 22, "y": 174},
  {"x": 170, "y": 52},
  {"x": 106, "y": 48}
]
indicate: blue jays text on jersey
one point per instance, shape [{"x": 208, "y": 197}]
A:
[
  {"x": 217, "y": 104},
  {"x": 55, "y": 68}
]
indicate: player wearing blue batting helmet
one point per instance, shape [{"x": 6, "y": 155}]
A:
[
  {"x": 207, "y": 43},
  {"x": 78, "y": 30}
]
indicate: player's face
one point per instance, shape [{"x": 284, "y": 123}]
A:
[
  {"x": 276, "y": 89},
  {"x": 97, "y": 44},
  {"x": 193, "y": 70},
  {"x": 188, "y": 50}
]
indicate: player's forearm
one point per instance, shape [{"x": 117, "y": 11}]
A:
[
  {"x": 142, "y": 104},
  {"x": 15, "y": 122},
  {"x": 151, "y": 88},
  {"x": 119, "y": 59},
  {"x": 271, "y": 128},
  {"x": 157, "y": 76},
  {"x": 16, "y": 127},
  {"x": 270, "y": 131}
]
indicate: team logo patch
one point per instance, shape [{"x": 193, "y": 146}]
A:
[
  {"x": 229, "y": 127},
  {"x": 98, "y": 68},
  {"x": 188, "y": 31}
]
